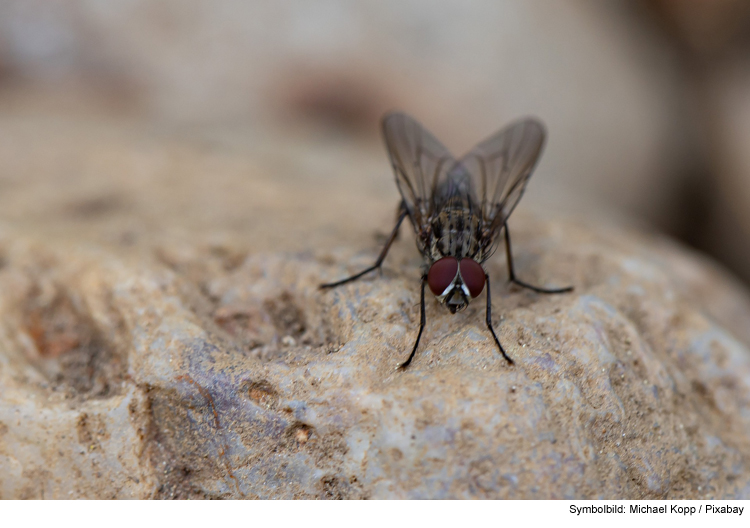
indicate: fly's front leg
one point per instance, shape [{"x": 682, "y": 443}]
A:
[
  {"x": 512, "y": 273},
  {"x": 381, "y": 257},
  {"x": 421, "y": 327},
  {"x": 489, "y": 320}
]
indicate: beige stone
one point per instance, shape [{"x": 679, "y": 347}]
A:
[{"x": 163, "y": 336}]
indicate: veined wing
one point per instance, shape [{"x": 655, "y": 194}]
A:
[
  {"x": 501, "y": 166},
  {"x": 419, "y": 161}
]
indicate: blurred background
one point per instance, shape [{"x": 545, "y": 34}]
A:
[{"x": 647, "y": 104}]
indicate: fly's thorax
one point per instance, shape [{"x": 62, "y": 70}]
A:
[
  {"x": 455, "y": 282},
  {"x": 457, "y": 233}
]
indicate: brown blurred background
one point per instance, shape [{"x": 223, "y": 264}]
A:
[{"x": 647, "y": 102}]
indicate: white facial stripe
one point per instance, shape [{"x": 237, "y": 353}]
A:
[
  {"x": 442, "y": 296},
  {"x": 446, "y": 291},
  {"x": 452, "y": 285}
]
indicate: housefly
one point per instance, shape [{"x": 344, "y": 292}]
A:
[{"x": 458, "y": 208}]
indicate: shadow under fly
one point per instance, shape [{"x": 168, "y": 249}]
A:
[{"x": 458, "y": 208}]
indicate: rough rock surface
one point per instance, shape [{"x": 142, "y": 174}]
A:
[{"x": 138, "y": 360}]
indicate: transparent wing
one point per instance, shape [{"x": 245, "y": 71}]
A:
[
  {"x": 501, "y": 166},
  {"x": 419, "y": 161}
]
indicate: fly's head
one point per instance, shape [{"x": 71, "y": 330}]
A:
[{"x": 455, "y": 282}]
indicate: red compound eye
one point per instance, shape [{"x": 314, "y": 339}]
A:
[
  {"x": 441, "y": 274},
  {"x": 473, "y": 276}
]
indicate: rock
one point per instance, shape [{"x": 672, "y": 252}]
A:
[
  {"x": 164, "y": 336},
  {"x": 209, "y": 376}
]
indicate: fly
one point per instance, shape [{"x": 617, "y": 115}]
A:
[{"x": 458, "y": 208}]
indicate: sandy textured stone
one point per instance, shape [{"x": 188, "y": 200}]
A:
[
  {"x": 222, "y": 376},
  {"x": 163, "y": 336}
]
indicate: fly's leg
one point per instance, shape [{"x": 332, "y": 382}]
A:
[
  {"x": 489, "y": 320},
  {"x": 421, "y": 327},
  {"x": 381, "y": 257},
  {"x": 512, "y": 273}
]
